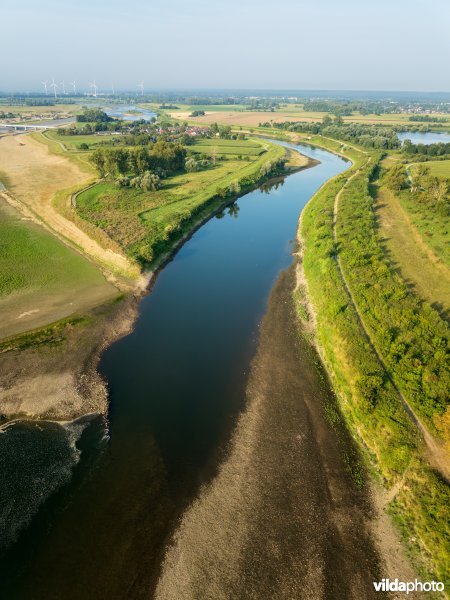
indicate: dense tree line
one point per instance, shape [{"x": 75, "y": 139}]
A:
[
  {"x": 162, "y": 158},
  {"x": 93, "y": 115},
  {"x": 439, "y": 149},
  {"x": 369, "y": 136},
  {"x": 427, "y": 119}
]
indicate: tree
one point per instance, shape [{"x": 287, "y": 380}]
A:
[
  {"x": 438, "y": 189},
  {"x": 97, "y": 158},
  {"x": 396, "y": 178},
  {"x": 418, "y": 178},
  {"x": 235, "y": 187},
  {"x": 150, "y": 182}
]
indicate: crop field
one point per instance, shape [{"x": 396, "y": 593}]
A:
[
  {"x": 41, "y": 279},
  {"x": 48, "y": 110},
  {"x": 236, "y": 147},
  {"x": 231, "y": 115}
]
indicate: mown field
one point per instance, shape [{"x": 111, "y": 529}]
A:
[
  {"x": 409, "y": 336},
  {"x": 72, "y": 143},
  {"x": 145, "y": 224},
  {"x": 41, "y": 280},
  {"x": 438, "y": 168},
  {"x": 231, "y": 147}
]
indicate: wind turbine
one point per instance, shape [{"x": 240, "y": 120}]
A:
[
  {"x": 44, "y": 83},
  {"x": 54, "y": 86},
  {"x": 74, "y": 87},
  {"x": 93, "y": 86},
  {"x": 141, "y": 87},
  {"x": 63, "y": 86}
]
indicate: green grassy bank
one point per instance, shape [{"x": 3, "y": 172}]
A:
[{"x": 369, "y": 401}]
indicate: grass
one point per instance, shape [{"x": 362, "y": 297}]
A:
[
  {"x": 408, "y": 250},
  {"x": 431, "y": 222},
  {"x": 72, "y": 143},
  {"x": 144, "y": 224},
  {"x": 383, "y": 428},
  {"x": 228, "y": 147},
  {"x": 438, "y": 168},
  {"x": 41, "y": 280}
]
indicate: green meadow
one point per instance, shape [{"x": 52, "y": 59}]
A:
[
  {"x": 41, "y": 279},
  {"x": 220, "y": 146}
]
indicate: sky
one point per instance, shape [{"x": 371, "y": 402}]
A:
[{"x": 238, "y": 44}]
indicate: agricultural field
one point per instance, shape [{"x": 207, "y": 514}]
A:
[
  {"x": 73, "y": 109},
  {"x": 41, "y": 279},
  {"x": 144, "y": 223},
  {"x": 230, "y": 147},
  {"x": 231, "y": 115}
]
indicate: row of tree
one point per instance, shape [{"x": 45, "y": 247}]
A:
[
  {"x": 162, "y": 158},
  {"x": 439, "y": 149},
  {"x": 369, "y": 136}
]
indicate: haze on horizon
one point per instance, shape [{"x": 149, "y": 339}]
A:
[{"x": 291, "y": 44}]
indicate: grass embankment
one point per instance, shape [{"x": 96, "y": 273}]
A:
[
  {"x": 41, "y": 279},
  {"x": 71, "y": 143},
  {"x": 407, "y": 249},
  {"x": 408, "y": 336},
  {"x": 146, "y": 224},
  {"x": 431, "y": 220}
]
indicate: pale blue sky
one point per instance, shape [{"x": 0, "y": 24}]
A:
[{"x": 284, "y": 44}]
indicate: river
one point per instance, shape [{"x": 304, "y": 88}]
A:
[{"x": 88, "y": 508}]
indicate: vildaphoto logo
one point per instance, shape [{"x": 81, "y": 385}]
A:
[{"x": 394, "y": 585}]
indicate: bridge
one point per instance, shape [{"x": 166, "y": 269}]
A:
[{"x": 25, "y": 127}]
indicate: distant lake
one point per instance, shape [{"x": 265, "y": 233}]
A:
[
  {"x": 432, "y": 137},
  {"x": 123, "y": 112}
]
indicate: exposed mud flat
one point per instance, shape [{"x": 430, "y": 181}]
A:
[
  {"x": 284, "y": 518},
  {"x": 59, "y": 380}
]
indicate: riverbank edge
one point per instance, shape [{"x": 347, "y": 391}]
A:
[
  {"x": 394, "y": 501},
  {"x": 106, "y": 324}
]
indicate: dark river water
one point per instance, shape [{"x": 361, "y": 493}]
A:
[{"x": 87, "y": 508}]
